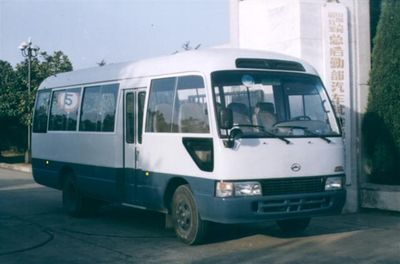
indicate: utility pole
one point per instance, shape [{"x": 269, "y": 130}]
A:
[{"x": 29, "y": 51}]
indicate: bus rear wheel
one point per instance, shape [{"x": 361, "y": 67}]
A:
[
  {"x": 293, "y": 226},
  {"x": 74, "y": 202},
  {"x": 188, "y": 225}
]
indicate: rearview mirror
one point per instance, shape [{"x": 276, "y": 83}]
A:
[{"x": 226, "y": 118}]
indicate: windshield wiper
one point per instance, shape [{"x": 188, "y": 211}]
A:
[
  {"x": 277, "y": 136},
  {"x": 262, "y": 129},
  {"x": 310, "y": 132}
]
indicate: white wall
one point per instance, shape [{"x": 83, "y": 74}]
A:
[
  {"x": 271, "y": 25},
  {"x": 292, "y": 27}
]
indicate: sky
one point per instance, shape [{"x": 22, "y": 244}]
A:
[{"x": 89, "y": 31}]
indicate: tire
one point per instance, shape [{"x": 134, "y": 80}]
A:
[
  {"x": 74, "y": 202},
  {"x": 187, "y": 222},
  {"x": 293, "y": 226}
]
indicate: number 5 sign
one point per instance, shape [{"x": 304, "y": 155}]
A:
[{"x": 68, "y": 101}]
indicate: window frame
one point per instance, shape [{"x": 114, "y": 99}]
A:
[
  {"x": 43, "y": 91},
  {"x": 148, "y": 103},
  {"x": 53, "y": 91},
  {"x": 208, "y": 96},
  {"x": 141, "y": 128},
  {"x": 129, "y": 140},
  {"x": 116, "y": 108},
  {"x": 278, "y": 93}
]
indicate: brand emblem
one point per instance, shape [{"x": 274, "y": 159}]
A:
[{"x": 295, "y": 167}]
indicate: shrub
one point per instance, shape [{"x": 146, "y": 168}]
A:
[{"x": 381, "y": 124}]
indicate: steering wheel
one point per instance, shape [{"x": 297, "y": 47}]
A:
[{"x": 301, "y": 118}]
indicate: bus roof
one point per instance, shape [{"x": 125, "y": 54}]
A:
[{"x": 206, "y": 61}]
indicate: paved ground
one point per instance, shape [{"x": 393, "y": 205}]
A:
[{"x": 34, "y": 229}]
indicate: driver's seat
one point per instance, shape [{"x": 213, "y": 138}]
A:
[{"x": 240, "y": 113}]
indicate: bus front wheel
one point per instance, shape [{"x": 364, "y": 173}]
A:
[{"x": 186, "y": 218}]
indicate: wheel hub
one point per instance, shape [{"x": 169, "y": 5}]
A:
[{"x": 184, "y": 216}]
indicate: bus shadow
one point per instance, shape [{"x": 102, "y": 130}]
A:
[
  {"x": 148, "y": 222},
  {"x": 318, "y": 227},
  {"x": 225, "y": 232},
  {"x": 119, "y": 222}
]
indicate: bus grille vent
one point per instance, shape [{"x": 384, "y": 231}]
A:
[
  {"x": 293, "y": 185},
  {"x": 294, "y": 205}
]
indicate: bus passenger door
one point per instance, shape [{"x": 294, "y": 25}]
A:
[{"x": 133, "y": 124}]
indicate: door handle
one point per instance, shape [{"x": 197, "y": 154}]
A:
[{"x": 137, "y": 155}]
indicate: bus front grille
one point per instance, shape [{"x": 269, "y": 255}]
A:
[
  {"x": 293, "y": 205},
  {"x": 293, "y": 185}
]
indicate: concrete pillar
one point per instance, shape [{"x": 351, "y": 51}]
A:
[{"x": 294, "y": 27}]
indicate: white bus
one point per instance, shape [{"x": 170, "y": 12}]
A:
[{"x": 218, "y": 135}]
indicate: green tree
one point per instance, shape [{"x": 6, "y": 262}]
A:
[
  {"x": 42, "y": 67},
  {"x": 15, "y": 104},
  {"x": 52, "y": 64},
  {"x": 7, "y": 89},
  {"x": 375, "y": 12},
  {"x": 381, "y": 126},
  {"x": 7, "y": 103}
]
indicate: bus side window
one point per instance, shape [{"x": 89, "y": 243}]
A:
[
  {"x": 159, "y": 112},
  {"x": 177, "y": 105},
  {"x": 64, "y": 109},
  {"x": 130, "y": 117},
  {"x": 141, "y": 98},
  {"x": 191, "y": 105},
  {"x": 41, "y": 112},
  {"x": 98, "y": 108},
  {"x": 109, "y": 102},
  {"x": 88, "y": 120}
]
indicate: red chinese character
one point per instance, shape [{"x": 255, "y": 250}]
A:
[
  {"x": 337, "y": 75},
  {"x": 336, "y": 39},
  {"x": 337, "y": 63},
  {"x": 336, "y": 51}
]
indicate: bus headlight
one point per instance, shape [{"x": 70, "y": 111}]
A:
[
  {"x": 333, "y": 183},
  {"x": 224, "y": 189},
  {"x": 228, "y": 189},
  {"x": 247, "y": 188}
]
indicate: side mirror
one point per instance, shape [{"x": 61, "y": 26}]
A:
[{"x": 226, "y": 118}]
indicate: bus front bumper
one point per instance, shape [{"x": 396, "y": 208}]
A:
[{"x": 236, "y": 210}]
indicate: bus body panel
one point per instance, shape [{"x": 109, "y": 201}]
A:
[
  {"x": 274, "y": 158},
  {"x": 258, "y": 209},
  {"x": 160, "y": 151},
  {"x": 97, "y": 160},
  {"x": 99, "y": 182}
]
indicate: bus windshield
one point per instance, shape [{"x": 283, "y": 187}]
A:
[{"x": 267, "y": 104}]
